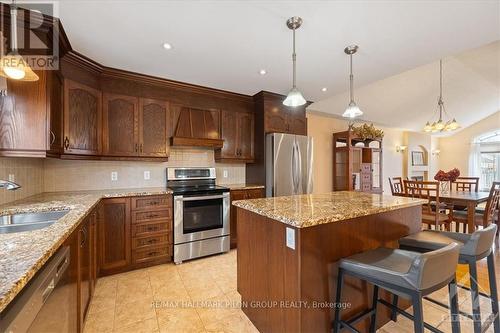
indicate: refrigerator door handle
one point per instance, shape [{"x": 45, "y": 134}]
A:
[
  {"x": 294, "y": 170},
  {"x": 299, "y": 171}
]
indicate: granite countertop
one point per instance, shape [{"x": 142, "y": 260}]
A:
[
  {"x": 243, "y": 186},
  {"x": 308, "y": 210},
  {"x": 22, "y": 254}
]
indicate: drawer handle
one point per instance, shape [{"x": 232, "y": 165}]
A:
[
  {"x": 151, "y": 241},
  {"x": 150, "y": 254},
  {"x": 152, "y": 228},
  {"x": 150, "y": 216},
  {"x": 153, "y": 203}
]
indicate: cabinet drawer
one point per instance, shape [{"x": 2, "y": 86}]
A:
[
  {"x": 255, "y": 193},
  {"x": 151, "y": 202},
  {"x": 147, "y": 228},
  {"x": 150, "y": 254},
  {"x": 366, "y": 187},
  {"x": 366, "y": 167},
  {"x": 366, "y": 178},
  {"x": 152, "y": 215},
  {"x": 139, "y": 243}
]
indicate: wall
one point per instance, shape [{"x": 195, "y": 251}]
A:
[
  {"x": 27, "y": 172},
  {"x": 455, "y": 149},
  {"x": 67, "y": 175},
  {"x": 321, "y": 127}
]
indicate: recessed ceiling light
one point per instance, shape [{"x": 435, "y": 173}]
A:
[
  {"x": 324, "y": 89},
  {"x": 167, "y": 46},
  {"x": 262, "y": 72}
]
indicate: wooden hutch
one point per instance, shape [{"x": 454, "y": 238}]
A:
[{"x": 357, "y": 163}]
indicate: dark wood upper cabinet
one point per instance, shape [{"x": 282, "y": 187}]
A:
[
  {"x": 114, "y": 236},
  {"x": 279, "y": 118},
  {"x": 120, "y": 125},
  {"x": 196, "y": 127},
  {"x": 55, "y": 114},
  {"x": 237, "y": 130},
  {"x": 82, "y": 119},
  {"x": 153, "y": 128},
  {"x": 276, "y": 119}
]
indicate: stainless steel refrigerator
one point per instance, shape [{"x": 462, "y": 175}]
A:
[{"x": 289, "y": 164}]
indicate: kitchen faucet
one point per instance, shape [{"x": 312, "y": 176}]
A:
[{"x": 8, "y": 185}]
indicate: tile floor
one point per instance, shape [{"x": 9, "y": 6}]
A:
[{"x": 201, "y": 296}]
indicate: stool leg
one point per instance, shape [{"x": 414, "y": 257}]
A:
[
  {"x": 394, "y": 313},
  {"x": 453, "y": 296},
  {"x": 474, "y": 290},
  {"x": 418, "y": 320},
  {"x": 493, "y": 291},
  {"x": 338, "y": 297},
  {"x": 373, "y": 323}
]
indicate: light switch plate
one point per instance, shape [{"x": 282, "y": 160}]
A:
[
  {"x": 12, "y": 177},
  {"x": 147, "y": 175},
  {"x": 114, "y": 176},
  {"x": 224, "y": 173},
  {"x": 290, "y": 238}
]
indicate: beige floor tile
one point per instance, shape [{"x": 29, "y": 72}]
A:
[
  {"x": 179, "y": 320},
  {"x": 130, "y": 290},
  {"x": 233, "y": 323},
  {"x": 145, "y": 326},
  {"x": 99, "y": 322},
  {"x": 215, "y": 309},
  {"x": 171, "y": 293},
  {"x": 102, "y": 303},
  {"x": 200, "y": 289},
  {"x": 136, "y": 311}
]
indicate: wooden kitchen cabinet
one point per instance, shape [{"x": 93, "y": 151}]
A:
[
  {"x": 241, "y": 194},
  {"x": 82, "y": 119},
  {"x": 279, "y": 118},
  {"x": 237, "y": 130},
  {"x": 114, "y": 236},
  {"x": 85, "y": 261},
  {"x": 153, "y": 128},
  {"x": 120, "y": 125}
]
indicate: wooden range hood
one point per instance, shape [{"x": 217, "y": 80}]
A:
[{"x": 196, "y": 128}]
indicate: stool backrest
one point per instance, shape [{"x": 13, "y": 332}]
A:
[
  {"x": 435, "y": 267},
  {"x": 482, "y": 240},
  {"x": 492, "y": 205},
  {"x": 467, "y": 184},
  {"x": 396, "y": 184}
]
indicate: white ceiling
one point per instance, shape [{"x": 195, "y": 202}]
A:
[
  {"x": 471, "y": 92},
  {"x": 224, "y": 44}
]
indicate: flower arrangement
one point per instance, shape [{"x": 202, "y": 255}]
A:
[
  {"x": 451, "y": 175},
  {"x": 367, "y": 132}
]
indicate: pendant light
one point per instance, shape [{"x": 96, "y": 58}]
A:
[
  {"x": 294, "y": 97},
  {"x": 441, "y": 125},
  {"x": 352, "y": 110},
  {"x": 13, "y": 65}
]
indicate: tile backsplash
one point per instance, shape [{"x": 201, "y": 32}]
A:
[
  {"x": 70, "y": 175},
  {"x": 28, "y": 172}
]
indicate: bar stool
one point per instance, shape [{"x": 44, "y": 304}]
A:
[
  {"x": 405, "y": 273},
  {"x": 474, "y": 247}
]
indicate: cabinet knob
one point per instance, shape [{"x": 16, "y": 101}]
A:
[
  {"x": 66, "y": 142},
  {"x": 141, "y": 147},
  {"x": 53, "y": 137},
  {"x": 136, "y": 147}
]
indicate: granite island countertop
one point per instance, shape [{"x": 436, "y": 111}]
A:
[
  {"x": 308, "y": 210},
  {"x": 22, "y": 254},
  {"x": 243, "y": 186}
]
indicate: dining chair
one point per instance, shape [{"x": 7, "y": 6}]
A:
[
  {"x": 433, "y": 212},
  {"x": 484, "y": 217},
  {"x": 396, "y": 184},
  {"x": 417, "y": 178},
  {"x": 467, "y": 184}
]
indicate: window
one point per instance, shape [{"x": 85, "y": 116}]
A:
[{"x": 486, "y": 151}]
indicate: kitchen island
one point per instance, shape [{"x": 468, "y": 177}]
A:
[{"x": 288, "y": 249}]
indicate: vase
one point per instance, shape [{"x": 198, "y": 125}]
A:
[{"x": 444, "y": 186}]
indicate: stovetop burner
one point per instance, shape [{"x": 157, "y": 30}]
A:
[{"x": 187, "y": 181}]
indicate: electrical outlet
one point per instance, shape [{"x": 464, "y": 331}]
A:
[
  {"x": 224, "y": 173},
  {"x": 290, "y": 238},
  {"x": 12, "y": 177},
  {"x": 147, "y": 175},
  {"x": 114, "y": 176}
]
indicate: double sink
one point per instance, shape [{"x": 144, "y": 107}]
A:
[{"x": 29, "y": 221}]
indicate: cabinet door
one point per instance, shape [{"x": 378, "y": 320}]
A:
[
  {"x": 114, "y": 235},
  {"x": 235, "y": 195},
  {"x": 245, "y": 135},
  {"x": 376, "y": 170},
  {"x": 82, "y": 119},
  {"x": 153, "y": 115},
  {"x": 229, "y": 134},
  {"x": 85, "y": 267},
  {"x": 276, "y": 119},
  {"x": 93, "y": 248},
  {"x": 298, "y": 124},
  {"x": 255, "y": 193},
  {"x": 120, "y": 125},
  {"x": 55, "y": 113}
]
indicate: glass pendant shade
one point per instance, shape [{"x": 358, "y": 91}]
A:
[
  {"x": 15, "y": 67},
  {"x": 352, "y": 111},
  {"x": 440, "y": 125},
  {"x": 453, "y": 125},
  {"x": 427, "y": 127},
  {"x": 294, "y": 98}
]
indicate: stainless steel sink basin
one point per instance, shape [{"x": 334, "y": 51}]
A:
[{"x": 29, "y": 221}]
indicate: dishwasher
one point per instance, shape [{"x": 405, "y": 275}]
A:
[{"x": 46, "y": 304}]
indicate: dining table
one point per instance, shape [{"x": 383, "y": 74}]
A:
[{"x": 468, "y": 199}]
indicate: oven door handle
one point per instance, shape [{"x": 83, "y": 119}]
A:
[{"x": 204, "y": 197}]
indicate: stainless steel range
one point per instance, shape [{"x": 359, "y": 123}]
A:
[{"x": 201, "y": 213}]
